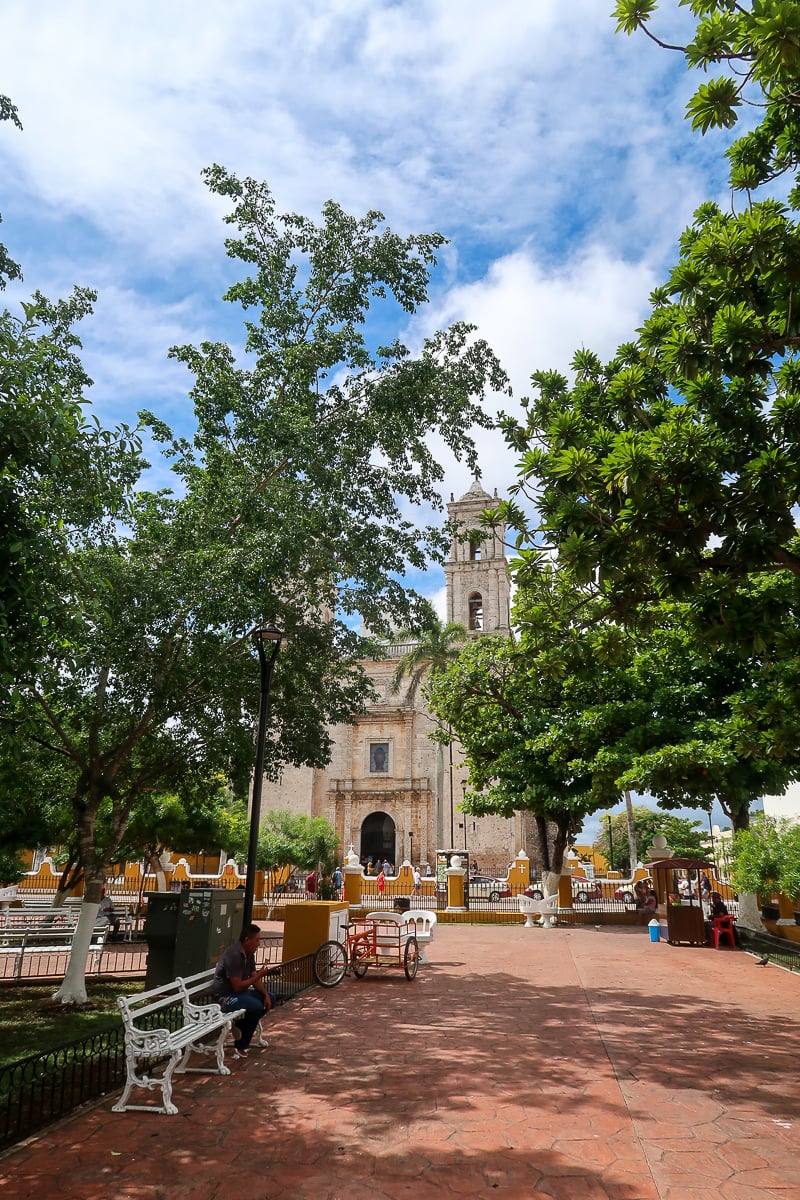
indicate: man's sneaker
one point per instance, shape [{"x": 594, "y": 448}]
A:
[{"x": 240, "y": 1051}]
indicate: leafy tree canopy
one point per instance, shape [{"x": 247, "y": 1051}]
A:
[
  {"x": 202, "y": 817},
  {"x": 672, "y": 470},
  {"x": 684, "y": 836},
  {"x": 580, "y": 708},
  {"x": 750, "y": 53},
  {"x": 291, "y": 839},
  {"x": 288, "y": 511},
  {"x": 766, "y": 858}
]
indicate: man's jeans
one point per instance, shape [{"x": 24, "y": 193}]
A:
[{"x": 253, "y": 1005}]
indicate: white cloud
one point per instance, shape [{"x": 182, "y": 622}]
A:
[
  {"x": 536, "y": 318},
  {"x": 438, "y": 112},
  {"x": 552, "y": 152}
]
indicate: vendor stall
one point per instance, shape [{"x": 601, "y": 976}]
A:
[{"x": 684, "y": 912}]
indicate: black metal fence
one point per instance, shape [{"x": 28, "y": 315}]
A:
[
  {"x": 44, "y": 1087},
  {"x": 504, "y": 909},
  {"x": 772, "y": 949}
]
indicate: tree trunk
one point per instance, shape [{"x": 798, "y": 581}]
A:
[
  {"x": 552, "y": 845},
  {"x": 157, "y": 867},
  {"x": 550, "y": 880},
  {"x": 73, "y": 987},
  {"x": 749, "y": 913},
  {"x": 633, "y": 849}
]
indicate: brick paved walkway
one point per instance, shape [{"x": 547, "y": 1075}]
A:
[{"x": 576, "y": 1063}]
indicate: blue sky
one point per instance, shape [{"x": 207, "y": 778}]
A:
[{"x": 552, "y": 153}]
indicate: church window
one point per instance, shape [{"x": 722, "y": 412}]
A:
[
  {"x": 475, "y": 552},
  {"x": 476, "y": 612},
  {"x": 379, "y": 758}
]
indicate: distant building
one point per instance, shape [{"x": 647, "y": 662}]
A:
[
  {"x": 389, "y": 790},
  {"x": 785, "y": 807}
]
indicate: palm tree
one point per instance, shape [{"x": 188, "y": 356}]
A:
[{"x": 438, "y": 645}]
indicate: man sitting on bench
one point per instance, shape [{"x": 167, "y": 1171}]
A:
[
  {"x": 106, "y": 913},
  {"x": 238, "y": 985}
]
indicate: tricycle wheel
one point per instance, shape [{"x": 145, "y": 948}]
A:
[
  {"x": 360, "y": 969},
  {"x": 330, "y": 964},
  {"x": 411, "y": 958}
]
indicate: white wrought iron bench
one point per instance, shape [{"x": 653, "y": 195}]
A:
[{"x": 146, "y": 1048}]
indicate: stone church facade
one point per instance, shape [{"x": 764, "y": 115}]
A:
[{"x": 389, "y": 790}]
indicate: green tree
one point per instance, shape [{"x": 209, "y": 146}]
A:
[
  {"x": 61, "y": 475},
  {"x": 684, "y": 835},
  {"x": 499, "y": 703},
  {"x": 203, "y": 815},
  {"x": 580, "y": 709},
  {"x": 289, "y": 512},
  {"x": 292, "y": 839},
  {"x": 750, "y": 53},
  {"x": 672, "y": 470},
  {"x": 435, "y": 644},
  {"x": 766, "y": 858}
]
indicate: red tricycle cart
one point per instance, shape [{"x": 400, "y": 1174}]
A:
[{"x": 371, "y": 942}]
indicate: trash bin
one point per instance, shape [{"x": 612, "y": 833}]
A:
[
  {"x": 160, "y": 932},
  {"x": 655, "y": 930}
]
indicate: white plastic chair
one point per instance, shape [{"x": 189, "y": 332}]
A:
[
  {"x": 546, "y": 909},
  {"x": 388, "y": 918},
  {"x": 424, "y": 921}
]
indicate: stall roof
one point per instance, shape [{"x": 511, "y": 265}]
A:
[{"x": 680, "y": 864}]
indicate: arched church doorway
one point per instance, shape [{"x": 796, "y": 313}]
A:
[{"x": 378, "y": 837}]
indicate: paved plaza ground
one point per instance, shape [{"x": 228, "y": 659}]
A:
[{"x": 575, "y": 1063}]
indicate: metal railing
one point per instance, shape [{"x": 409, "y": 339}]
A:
[
  {"x": 774, "y": 949},
  {"x": 29, "y": 959},
  {"x": 44, "y": 1087}
]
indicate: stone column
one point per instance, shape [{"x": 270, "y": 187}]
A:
[
  {"x": 785, "y": 910},
  {"x": 455, "y": 885},
  {"x": 520, "y": 874},
  {"x": 353, "y": 877}
]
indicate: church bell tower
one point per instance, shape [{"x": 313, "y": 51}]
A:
[{"x": 476, "y": 574}]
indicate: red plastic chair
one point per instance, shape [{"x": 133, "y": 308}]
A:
[{"x": 722, "y": 928}]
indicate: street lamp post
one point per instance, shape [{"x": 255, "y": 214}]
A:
[
  {"x": 452, "y": 812},
  {"x": 463, "y": 802},
  {"x": 411, "y": 850},
  {"x": 273, "y": 635},
  {"x": 610, "y": 845}
]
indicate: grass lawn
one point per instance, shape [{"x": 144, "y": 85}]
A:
[{"x": 31, "y": 1022}]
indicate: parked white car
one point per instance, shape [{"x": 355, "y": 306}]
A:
[{"x": 483, "y": 888}]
